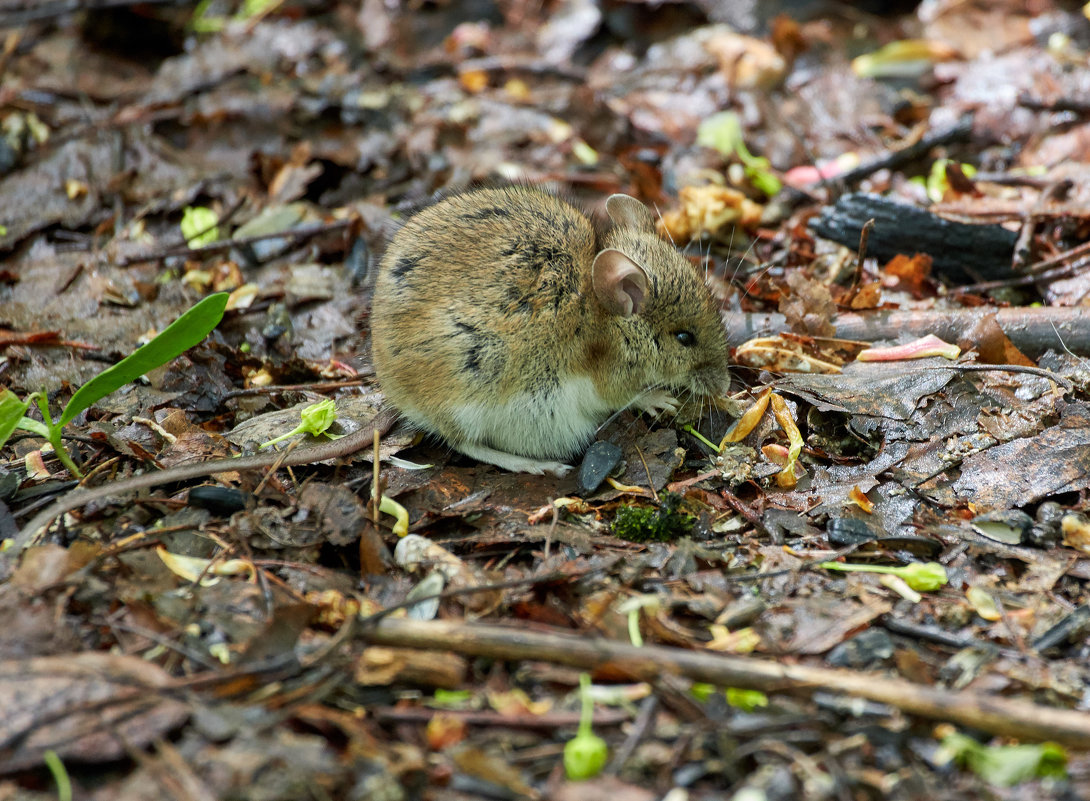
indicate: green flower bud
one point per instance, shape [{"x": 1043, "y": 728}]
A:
[
  {"x": 923, "y": 576},
  {"x": 585, "y": 755},
  {"x": 920, "y": 576}
]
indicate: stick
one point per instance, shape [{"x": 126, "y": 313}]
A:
[
  {"x": 998, "y": 716},
  {"x": 1032, "y": 331}
]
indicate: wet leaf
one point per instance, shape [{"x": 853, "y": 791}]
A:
[{"x": 87, "y": 707}]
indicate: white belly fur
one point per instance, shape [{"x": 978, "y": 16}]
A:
[{"x": 542, "y": 426}]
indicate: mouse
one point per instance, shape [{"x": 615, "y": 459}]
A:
[{"x": 508, "y": 325}]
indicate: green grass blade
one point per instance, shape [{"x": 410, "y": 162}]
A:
[
  {"x": 60, "y": 775},
  {"x": 175, "y": 339},
  {"x": 11, "y": 412}
]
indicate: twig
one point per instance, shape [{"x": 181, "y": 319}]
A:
[
  {"x": 999, "y": 716},
  {"x": 299, "y": 232},
  {"x": 544, "y": 722},
  {"x": 647, "y": 472},
  {"x": 860, "y": 257},
  {"x": 959, "y": 130},
  {"x": 636, "y": 733},
  {"x": 1044, "y": 277},
  {"x": 19, "y": 15},
  {"x": 1032, "y": 331},
  {"x": 1066, "y": 259},
  {"x": 1006, "y": 368},
  {"x": 316, "y": 386}
]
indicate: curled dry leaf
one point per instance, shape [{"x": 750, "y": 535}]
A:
[
  {"x": 781, "y": 355},
  {"x": 748, "y": 63},
  {"x": 929, "y": 345},
  {"x": 708, "y": 210},
  {"x": 1076, "y": 531}
]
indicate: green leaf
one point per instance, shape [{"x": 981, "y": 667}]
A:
[
  {"x": 702, "y": 691},
  {"x": 920, "y": 576},
  {"x": 746, "y": 700},
  {"x": 199, "y": 226},
  {"x": 1006, "y": 765},
  {"x": 451, "y": 699},
  {"x": 34, "y": 427},
  {"x": 251, "y": 8},
  {"x": 175, "y": 339},
  {"x": 11, "y": 412},
  {"x": 760, "y": 175},
  {"x": 316, "y": 419},
  {"x": 723, "y": 132}
]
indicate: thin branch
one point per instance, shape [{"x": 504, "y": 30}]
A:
[{"x": 999, "y": 716}]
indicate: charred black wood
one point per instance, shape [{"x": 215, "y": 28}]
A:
[{"x": 959, "y": 252}]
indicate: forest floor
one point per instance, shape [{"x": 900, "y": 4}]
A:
[{"x": 273, "y": 638}]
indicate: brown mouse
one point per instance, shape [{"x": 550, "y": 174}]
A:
[{"x": 505, "y": 324}]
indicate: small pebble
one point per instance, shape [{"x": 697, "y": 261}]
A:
[{"x": 599, "y": 461}]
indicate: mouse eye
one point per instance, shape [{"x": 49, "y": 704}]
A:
[{"x": 686, "y": 338}]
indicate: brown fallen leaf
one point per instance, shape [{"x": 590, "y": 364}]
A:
[
  {"x": 601, "y": 787},
  {"x": 87, "y": 707}
]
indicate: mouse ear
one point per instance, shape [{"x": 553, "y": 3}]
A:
[
  {"x": 619, "y": 283},
  {"x": 628, "y": 212}
]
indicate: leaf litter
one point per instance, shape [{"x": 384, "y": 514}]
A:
[{"x": 273, "y": 639}]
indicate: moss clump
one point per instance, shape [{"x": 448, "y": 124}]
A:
[{"x": 663, "y": 523}]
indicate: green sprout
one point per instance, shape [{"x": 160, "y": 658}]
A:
[
  {"x": 178, "y": 337},
  {"x": 204, "y": 21},
  {"x": 632, "y": 608},
  {"x": 920, "y": 576},
  {"x": 200, "y": 226},
  {"x": 690, "y": 430},
  {"x": 746, "y": 700},
  {"x": 936, "y": 183},
  {"x": 723, "y": 132},
  {"x": 254, "y": 8},
  {"x": 1005, "y": 765},
  {"x": 661, "y": 524},
  {"x": 702, "y": 691},
  {"x": 389, "y": 506},
  {"x": 586, "y": 753},
  {"x": 314, "y": 420},
  {"x": 60, "y": 774},
  {"x": 450, "y": 699}
]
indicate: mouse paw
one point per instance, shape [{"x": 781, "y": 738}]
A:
[
  {"x": 656, "y": 402},
  {"x": 514, "y": 463}
]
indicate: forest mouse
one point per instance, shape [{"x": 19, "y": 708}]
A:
[{"x": 504, "y": 323}]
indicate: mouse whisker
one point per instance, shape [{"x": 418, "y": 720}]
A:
[{"x": 665, "y": 227}]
